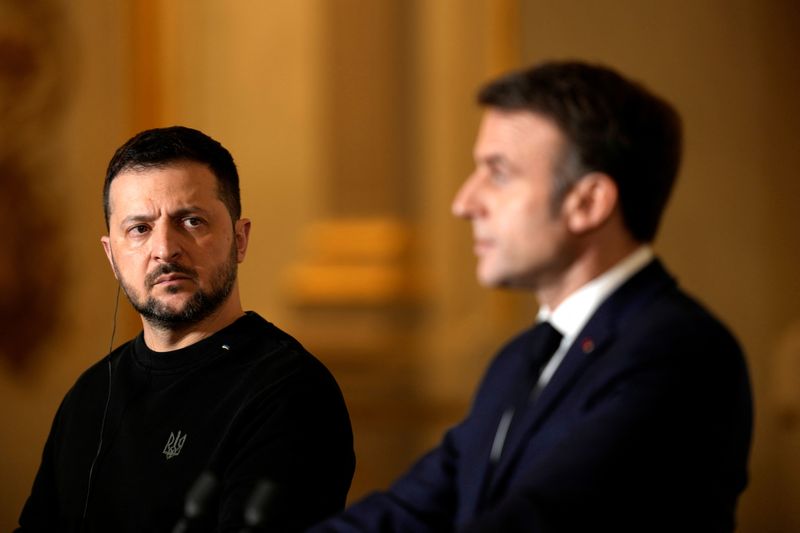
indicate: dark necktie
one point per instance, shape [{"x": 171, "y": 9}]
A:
[
  {"x": 538, "y": 346},
  {"x": 544, "y": 343}
]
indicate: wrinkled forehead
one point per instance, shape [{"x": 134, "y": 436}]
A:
[{"x": 164, "y": 185}]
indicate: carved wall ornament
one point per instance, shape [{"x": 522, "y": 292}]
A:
[{"x": 33, "y": 93}]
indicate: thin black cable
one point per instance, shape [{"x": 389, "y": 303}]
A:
[
  {"x": 114, "y": 320},
  {"x": 105, "y": 409}
]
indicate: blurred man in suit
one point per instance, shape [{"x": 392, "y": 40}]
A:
[{"x": 627, "y": 407}]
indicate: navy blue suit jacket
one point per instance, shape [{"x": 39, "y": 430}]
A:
[{"x": 645, "y": 426}]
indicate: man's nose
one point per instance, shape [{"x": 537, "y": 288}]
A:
[
  {"x": 466, "y": 202},
  {"x": 165, "y": 242}
]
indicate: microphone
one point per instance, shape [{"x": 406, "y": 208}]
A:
[
  {"x": 261, "y": 506},
  {"x": 197, "y": 501}
]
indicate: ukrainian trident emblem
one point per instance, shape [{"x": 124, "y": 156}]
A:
[{"x": 174, "y": 444}]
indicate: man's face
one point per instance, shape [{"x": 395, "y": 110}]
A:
[
  {"x": 520, "y": 237},
  {"x": 172, "y": 244}
]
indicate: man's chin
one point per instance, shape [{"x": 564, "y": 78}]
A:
[
  {"x": 167, "y": 309},
  {"x": 499, "y": 280},
  {"x": 169, "y": 319},
  {"x": 489, "y": 280},
  {"x": 173, "y": 301}
]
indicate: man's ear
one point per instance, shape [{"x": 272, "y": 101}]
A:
[
  {"x": 107, "y": 249},
  {"x": 241, "y": 232},
  {"x": 590, "y": 202}
]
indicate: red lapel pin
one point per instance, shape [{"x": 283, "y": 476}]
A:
[{"x": 587, "y": 345}]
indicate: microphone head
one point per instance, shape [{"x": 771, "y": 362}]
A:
[
  {"x": 261, "y": 504},
  {"x": 199, "y": 496}
]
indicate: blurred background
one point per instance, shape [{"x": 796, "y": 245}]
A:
[{"x": 352, "y": 124}]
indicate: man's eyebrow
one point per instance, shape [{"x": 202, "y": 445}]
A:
[
  {"x": 178, "y": 213},
  {"x": 130, "y": 219},
  {"x": 494, "y": 161},
  {"x": 187, "y": 211}
]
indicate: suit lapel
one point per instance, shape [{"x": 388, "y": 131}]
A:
[
  {"x": 572, "y": 366},
  {"x": 495, "y": 404},
  {"x": 590, "y": 344}
]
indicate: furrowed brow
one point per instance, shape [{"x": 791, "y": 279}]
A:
[
  {"x": 135, "y": 219},
  {"x": 496, "y": 162},
  {"x": 188, "y": 211}
]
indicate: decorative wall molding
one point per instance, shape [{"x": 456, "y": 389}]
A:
[{"x": 33, "y": 93}]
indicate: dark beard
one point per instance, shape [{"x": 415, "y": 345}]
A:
[{"x": 200, "y": 305}]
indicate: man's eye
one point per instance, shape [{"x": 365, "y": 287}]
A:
[
  {"x": 139, "y": 229},
  {"x": 499, "y": 177},
  {"x": 192, "y": 222}
]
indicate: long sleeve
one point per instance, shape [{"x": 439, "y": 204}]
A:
[{"x": 40, "y": 513}]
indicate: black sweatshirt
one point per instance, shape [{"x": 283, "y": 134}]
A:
[{"x": 247, "y": 404}]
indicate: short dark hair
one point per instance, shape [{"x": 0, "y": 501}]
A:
[
  {"x": 613, "y": 125},
  {"x": 160, "y": 147}
]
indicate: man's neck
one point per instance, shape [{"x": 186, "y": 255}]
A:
[
  {"x": 590, "y": 263},
  {"x": 161, "y": 339}
]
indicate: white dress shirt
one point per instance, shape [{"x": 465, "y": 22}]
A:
[{"x": 571, "y": 316}]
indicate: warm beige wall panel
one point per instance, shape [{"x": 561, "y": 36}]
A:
[{"x": 95, "y": 121}]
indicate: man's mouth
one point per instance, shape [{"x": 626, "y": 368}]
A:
[
  {"x": 481, "y": 245},
  {"x": 169, "y": 275},
  {"x": 170, "y": 278}
]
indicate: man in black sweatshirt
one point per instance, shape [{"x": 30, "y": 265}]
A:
[{"x": 206, "y": 388}]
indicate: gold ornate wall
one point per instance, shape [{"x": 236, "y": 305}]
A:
[
  {"x": 33, "y": 93},
  {"x": 63, "y": 99}
]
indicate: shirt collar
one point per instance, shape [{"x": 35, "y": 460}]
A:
[{"x": 576, "y": 310}]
